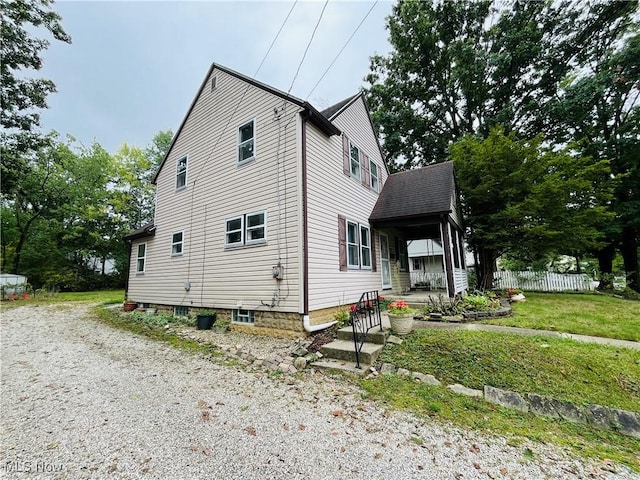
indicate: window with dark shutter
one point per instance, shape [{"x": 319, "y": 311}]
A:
[
  {"x": 342, "y": 242},
  {"x": 346, "y": 158}
]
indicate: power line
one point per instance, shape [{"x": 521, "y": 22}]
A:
[
  {"x": 308, "y": 45},
  {"x": 342, "y": 49}
]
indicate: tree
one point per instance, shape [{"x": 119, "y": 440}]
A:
[
  {"x": 21, "y": 96},
  {"x": 600, "y": 112},
  {"x": 517, "y": 195},
  {"x": 461, "y": 68}
]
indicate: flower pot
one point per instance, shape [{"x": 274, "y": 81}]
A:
[
  {"x": 129, "y": 306},
  {"x": 205, "y": 322},
  {"x": 401, "y": 324}
]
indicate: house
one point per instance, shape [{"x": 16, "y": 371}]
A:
[{"x": 263, "y": 211}]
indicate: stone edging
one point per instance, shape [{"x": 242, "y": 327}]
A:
[{"x": 598, "y": 416}]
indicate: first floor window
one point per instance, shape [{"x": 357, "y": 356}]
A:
[
  {"x": 416, "y": 264},
  {"x": 358, "y": 245},
  {"x": 353, "y": 257},
  {"x": 177, "y": 243},
  {"x": 365, "y": 247},
  {"x": 181, "y": 173},
  {"x": 249, "y": 229},
  {"x": 142, "y": 255},
  {"x": 243, "y": 316}
]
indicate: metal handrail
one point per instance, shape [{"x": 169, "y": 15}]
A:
[{"x": 364, "y": 316}]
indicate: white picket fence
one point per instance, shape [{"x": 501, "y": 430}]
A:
[{"x": 544, "y": 281}]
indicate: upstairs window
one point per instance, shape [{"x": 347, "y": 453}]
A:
[
  {"x": 177, "y": 243},
  {"x": 355, "y": 160},
  {"x": 246, "y": 142},
  {"x": 375, "y": 182},
  {"x": 142, "y": 255},
  {"x": 181, "y": 173}
]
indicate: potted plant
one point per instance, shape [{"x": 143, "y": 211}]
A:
[
  {"x": 515, "y": 295},
  {"x": 205, "y": 319},
  {"x": 221, "y": 326},
  {"x": 129, "y": 306},
  {"x": 401, "y": 317}
]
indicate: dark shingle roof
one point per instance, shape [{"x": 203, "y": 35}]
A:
[
  {"x": 147, "y": 230},
  {"x": 415, "y": 193},
  {"x": 333, "y": 109}
]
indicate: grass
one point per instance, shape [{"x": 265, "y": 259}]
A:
[
  {"x": 577, "y": 372},
  {"x": 437, "y": 402},
  {"x": 596, "y": 315},
  {"x": 103, "y": 297}
]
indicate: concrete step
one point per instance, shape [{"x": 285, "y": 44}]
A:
[
  {"x": 345, "y": 350},
  {"x": 342, "y": 365},
  {"x": 374, "y": 335}
]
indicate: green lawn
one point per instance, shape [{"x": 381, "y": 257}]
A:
[
  {"x": 103, "y": 297},
  {"x": 568, "y": 370},
  {"x": 597, "y": 315}
]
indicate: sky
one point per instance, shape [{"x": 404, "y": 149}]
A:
[{"x": 133, "y": 68}]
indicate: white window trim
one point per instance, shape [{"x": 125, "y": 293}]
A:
[
  {"x": 250, "y": 316},
  {"x": 238, "y": 143},
  {"x": 226, "y": 232},
  {"x": 362, "y": 247},
  {"x": 353, "y": 175},
  {"x": 247, "y": 228},
  {"x": 181, "y": 242},
  {"x": 358, "y": 244},
  {"x": 143, "y": 258},
  {"x": 186, "y": 172},
  {"x": 375, "y": 188}
]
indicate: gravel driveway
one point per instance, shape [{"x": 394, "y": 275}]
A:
[{"x": 83, "y": 400}]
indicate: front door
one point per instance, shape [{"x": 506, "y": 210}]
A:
[{"x": 384, "y": 260}]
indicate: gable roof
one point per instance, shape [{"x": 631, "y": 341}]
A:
[
  {"x": 310, "y": 112},
  {"x": 333, "y": 110},
  {"x": 416, "y": 193}
]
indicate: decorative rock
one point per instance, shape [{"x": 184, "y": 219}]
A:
[
  {"x": 300, "y": 363},
  {"x": 388, "y": 369},
  {"x": 319, "y": 355},
  {"x": 627, "y": 423},
  {"x": 462, "y": 390},
  {"x": 505, "y": 398},
  {"x": 394, "y": 340},
  {"x": 404, "y": 372},
  {"x": 426, "y": 378},
  {"x": 283, "y": 367},
  {"x": 300, "y": 352},
  {"x": 552, "y": 407}
]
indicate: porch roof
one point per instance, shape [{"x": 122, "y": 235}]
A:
[
  {"x": 147, "y": 230},
  {"x": 421, "y": 194}
]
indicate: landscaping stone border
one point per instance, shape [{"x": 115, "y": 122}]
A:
[{"x": 598, "y": 416}]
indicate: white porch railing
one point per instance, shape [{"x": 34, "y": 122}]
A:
[
  {"x": 544, "y": 281},
  {"x": 428, "y": 280}
]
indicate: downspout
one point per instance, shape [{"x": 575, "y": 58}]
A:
[
  {"x": 306, "y": 321},
  {"x": 127, "y": 273}
]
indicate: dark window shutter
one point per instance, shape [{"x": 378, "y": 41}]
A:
[
  {"x": 346, "y": 158},
  {"x": 373, "y": 252},
  {"x": 364, "y": 170},
  {"x": 342, "y": 242}
]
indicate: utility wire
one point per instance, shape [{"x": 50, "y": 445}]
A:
[
  {"x": 308, "y": 45},
  {"x": 342, "y": 49}
]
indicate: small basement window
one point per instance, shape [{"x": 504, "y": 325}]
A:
[
  {"x": 180, "y": 311},
  {"x": 243, "y": 316}
]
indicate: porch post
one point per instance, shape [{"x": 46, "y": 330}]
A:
[{"x": 448, "y": 262}]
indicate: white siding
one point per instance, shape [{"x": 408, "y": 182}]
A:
[
  {"x": 218, "y": 189},
  {"x": 332, "y": 193}
]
